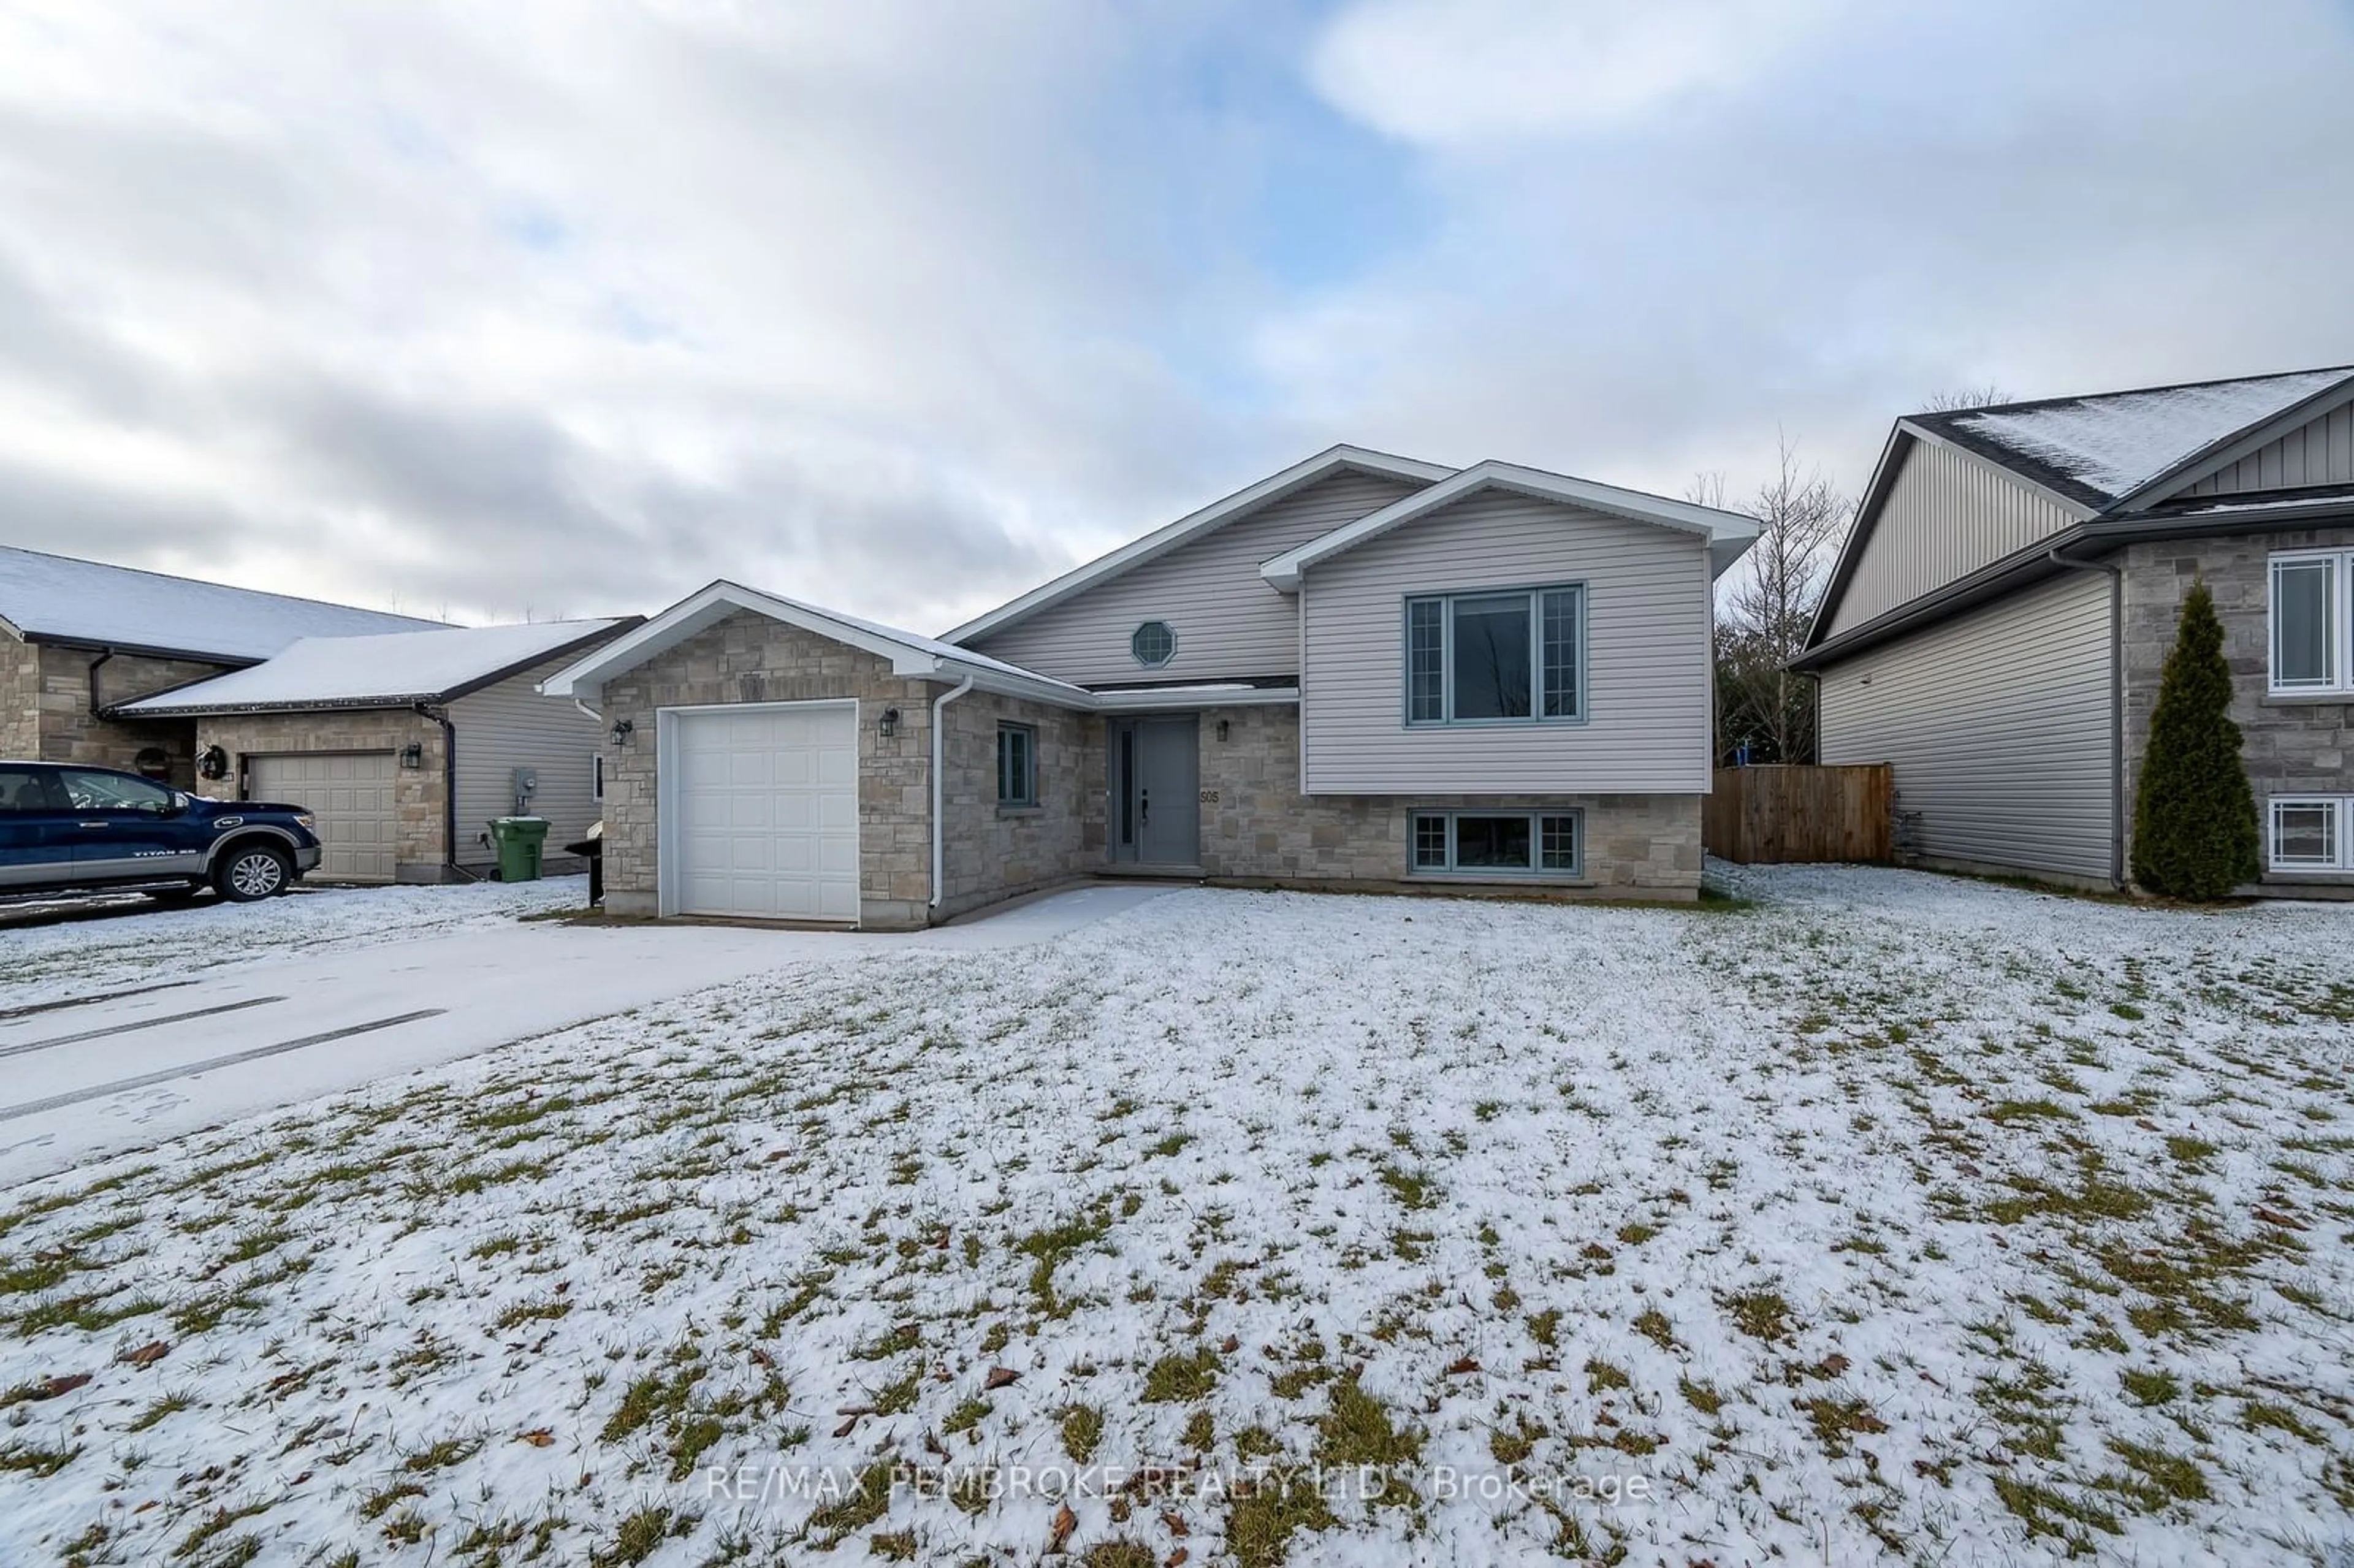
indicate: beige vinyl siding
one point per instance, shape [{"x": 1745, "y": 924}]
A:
[
  {"x": 509, "y": 726},
  {"x": 2320, "y": 452},
  {"x": 1647, "y": 645},
  {"x": 1946, "y": 515},
  {"x": 1229, "y": 623},
  {"x": 1998, "y": 724}
]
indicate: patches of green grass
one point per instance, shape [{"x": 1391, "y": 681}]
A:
[
  {"x": 1601, "y": 1377},
  {"x": 2150, "y": 1387},
  {"x": 1050, "y": 1248},
  {"x": 1760, "y": 1314},
  {"x": 1082, "y": 1429},
  {"x": 32, "y": 1459},
  {"x": 867, "y": 1500},
  {"x": 1412, "y": 1189},
  {"x": 1267, "y": 1509},
  {"x": 1182, "y": 1380}
]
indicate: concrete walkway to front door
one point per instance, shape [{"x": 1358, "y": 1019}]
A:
[{"x": 82, "y": 1079}]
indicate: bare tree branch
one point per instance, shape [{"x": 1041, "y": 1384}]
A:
[
  {"x": 1764, "y": 621},
  {"x": 1961, "y": 397}
]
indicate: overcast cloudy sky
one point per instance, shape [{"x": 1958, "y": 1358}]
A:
[{"x": 569, "y": 307}]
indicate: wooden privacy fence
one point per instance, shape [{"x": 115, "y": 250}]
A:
[{"x": 1784, "y": 812}]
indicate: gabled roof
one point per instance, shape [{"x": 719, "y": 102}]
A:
[
  {"x": 911, "y": 655},
  {"x": 2116, "y": 462},
  {"x": 394, "y": 670},
  {"x": 2113, "y": 450},
  {"x": 1192, "y": 525},
  {"x": 1728, "y": 533},
  {"x": 57, "y": 599}
]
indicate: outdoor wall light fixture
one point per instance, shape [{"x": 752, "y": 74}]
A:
[
  {"x": 412, "y": 754},
  {"x": 1222, "y": 729},
  {"x": 622, "y": 730},
  {"x": 890, "y": 723}
]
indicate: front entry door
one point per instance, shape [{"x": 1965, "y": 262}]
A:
[{"x": 1156, "y": 791}]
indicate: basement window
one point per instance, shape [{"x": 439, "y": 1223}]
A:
[
  {"x": 2308, "y": 833},
  {"x": 1497, "y": 844}
]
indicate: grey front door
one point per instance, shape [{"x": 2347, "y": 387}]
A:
[{"x": 1156, "y": 789}]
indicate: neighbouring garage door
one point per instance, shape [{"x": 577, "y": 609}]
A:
[
  {"x": 350, "y": 792},
  {"x": 763, "y": 802}
]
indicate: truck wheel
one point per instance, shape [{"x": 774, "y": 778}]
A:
[{"x": 249, "y": 872}]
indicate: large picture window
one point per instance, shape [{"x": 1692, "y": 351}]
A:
[
  {"x": 2311, "y": 612},
  {"x": 1485, "y": 844},
  {"x": 1516, "y": 657}
]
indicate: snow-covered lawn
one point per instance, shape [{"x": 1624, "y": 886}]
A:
[
  {"x": 1894, "y": 1219},
  {"x": 82, "y": 957}
]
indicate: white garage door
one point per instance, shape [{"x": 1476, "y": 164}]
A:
[
  {"x": 350, "y": 792},
  {"x": 763, "y": 802}
]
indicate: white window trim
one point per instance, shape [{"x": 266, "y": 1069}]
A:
[
  {"x": 2342, "y": 807},
  {"x": 1535, "y": 594},
  {"x": 1536, "y": 872},
  {"x": 2341, "y": 625}
]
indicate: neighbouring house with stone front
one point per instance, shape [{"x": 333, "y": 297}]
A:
[
  {"x": 1999, "y": 619},
  {"x": 1364, "y": 672},
  {"x": 79, "y": 638},
  {"x": 402, "y": 736},
  {"x": 404, "y": 745}
]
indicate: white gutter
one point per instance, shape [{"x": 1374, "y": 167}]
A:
[
  {"x": 939, "y": 787},
  {"x": 591, "y": 714}
]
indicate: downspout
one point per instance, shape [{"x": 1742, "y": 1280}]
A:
[
  {"x": 449, "y": 793},
  {"x": 96, "y": 708},
  {"x": 2116, "y": 576},
  {"x": 940, "y": 789}
]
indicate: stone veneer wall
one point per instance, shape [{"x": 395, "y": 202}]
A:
[
  {"x": 1261, "y": 828},
  {"x": 2291, "y": 745},
  {"x": 994, "y": 852},
  {"x": 68, "y": 732},
  {"x": 20, "y": 700},
  {"x": 749, "y": 658},
  {"x": 419, "y": 795}
]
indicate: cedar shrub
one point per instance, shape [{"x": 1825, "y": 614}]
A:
[{"x": 2194, "y": 815}]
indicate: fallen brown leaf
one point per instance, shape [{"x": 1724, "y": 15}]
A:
[
  {"x": 146, "y": 1355},
  {"x": 1065, "y": 1522},
  {"x": 1463, "y": 1365},
  {"x": 999, "y": 1377},
  {"x": 55, "y": 1386},
  {"x": 539, "y": 1437}
]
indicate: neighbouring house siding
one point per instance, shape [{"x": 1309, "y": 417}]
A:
[
  {"x": 1256, "y": 826},
  {"x": 749, "y": 658},
  {"x": 509, "y": 726},
  {"x": 1229, "y": 623},
  {"x": 2320, "y": 452},
  {"x": 2297, "y": 746},
  {"x": 69, "y": 732},
  {"x": 419, "y": 793},
  {"x": 1998, "y": 724},
  {"x": 1946, "y": 515},
  {"x": 20, "y": 699},
  {"x": 1647, "y": 644},
  {"x": 992, "y": 851}
]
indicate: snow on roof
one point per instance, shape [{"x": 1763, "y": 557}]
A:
[
  {"x": 371, "y": 671},
  {"x": 64, "y": 599},
  {"x": 2113, "y": 443}
]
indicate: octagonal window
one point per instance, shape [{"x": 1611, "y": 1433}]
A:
[{"x": 1153, "y": 643}]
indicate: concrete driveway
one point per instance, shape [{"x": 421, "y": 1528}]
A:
[{"x": 85, "y": 1077}]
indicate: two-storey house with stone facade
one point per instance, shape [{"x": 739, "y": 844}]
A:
[
  {"x": 1365, "y": 670},
  {"x": 1999, "y": 617}
]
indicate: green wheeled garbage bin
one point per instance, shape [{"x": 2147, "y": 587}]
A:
[{"x": 518, "y": 840}]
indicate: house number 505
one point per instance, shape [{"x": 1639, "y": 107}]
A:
[{"x": 1209, "y": 796}]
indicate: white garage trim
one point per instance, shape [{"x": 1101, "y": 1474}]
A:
[{"x": 669, "y": 814}]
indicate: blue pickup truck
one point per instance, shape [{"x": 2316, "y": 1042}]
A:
[{"x": 67, "y": 828}]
